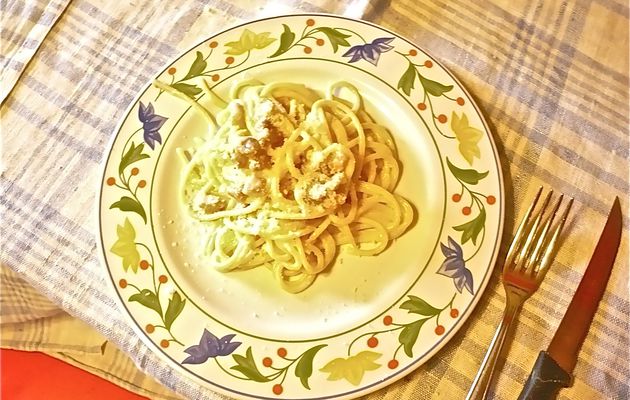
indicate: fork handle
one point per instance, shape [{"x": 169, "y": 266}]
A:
[{"x": 481, "y": 384}]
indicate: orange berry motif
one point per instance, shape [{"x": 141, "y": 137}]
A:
[
  {"x": 144, "y": 264},
  {"x": 491, "y": 200},
  {"x": 308, "y": 50},
  {"x": 122, "y": 283},
  {"x": 457, "y": 197},
  {"x": 422, "y": 106},
  {"x": 163, "y": 279},
  {"x": 111, "y": 181},
  {"x": 171, "y": 71},
  {"x": 135, "y": 171},
  {"x": 439, "y": 330},
  {"x": 454, "y": 313},
  {"x": 392, "y": 364},
  {"x": 213, "y": 44},
  {"x": 277, "y": 389},
  {"x": 387, "y": 320},
  {"x": 229, "y": 60},
  {"x": 413, "y": 52},
  {"x": 267, "y": 362},
  {"x": 164, "y": 343},
  {"x": 142, "y": 183},
  {"x": 282, "y": 352},
  {"x": 150, "y": 328},
  {"x": 310, "y": 22},
  {"x": 466, "y": 210},
  {"x": 215, "y": 77},
  {"x": 442, "y": 118},
  {"x": 372, "y": 342},
  {"x": 428, "y": 63},
  {"x": 460, "y": 101},
  {"x": 320, "y": 42}
]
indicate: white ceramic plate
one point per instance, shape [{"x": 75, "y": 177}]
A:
[{"x": 367, "y": 321}]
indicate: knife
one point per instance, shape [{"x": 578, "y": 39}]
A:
[{"x": 553, "y": 368}]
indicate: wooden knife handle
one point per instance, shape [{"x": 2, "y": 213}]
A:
[{"x": 545, "y": 380}]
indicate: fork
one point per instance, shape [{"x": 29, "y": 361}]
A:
[{"x": 526, "y": 264}]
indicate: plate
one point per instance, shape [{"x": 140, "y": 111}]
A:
[{"x": 367, "y": 321}]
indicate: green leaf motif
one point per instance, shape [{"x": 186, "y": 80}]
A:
[
  {"x": 409, "y": 335},
  {"x": 188, "y": 89},
  {"x": 197, "y": 67},
  {"x": 175, "y": 307},
  {"x": 286, "y": 41},
  {"x": 247, "y": 366},
  {"x": 148, "y": 299},
  {"x": 416, "y": 305},
  {"x": 434, "y": 88},
  {"x": 248, "y": 42},
  {"x": 471, "y": 229},
  {"x": 352, "y": 368},
  {"x": 133, "y": 154},
  {"x": 336, "y": 38},
  {"x": 125, "y": 246},
  {"x": 467, "y": 136},
  {"x": 128, "y": 204},
  {"x": 407, "y": 79},
  {"x": 304, "y": 367},
  {"x": 470, "y": 176}
]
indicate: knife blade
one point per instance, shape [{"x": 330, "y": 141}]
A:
[{"x": 553, "y": 368}]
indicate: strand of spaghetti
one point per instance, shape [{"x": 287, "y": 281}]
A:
[
  {"x": 231, "y": 213},
  {"x": 364, "y": 116},
  {"x": 193, "y": 103},
  {"x": 328, "y": 245},
  {"x": 286, "y": 215},
  {"x": 379, "y": 238},
  {"x": 224, "y": 262},
  {"x": 406, "y": 217},
  {"x": 288, "y": 235},
  {"x": 355, "y": 122},
  {"x": 371, "y": 171},
  {"x": 215, "y": 99},
  {"x": 383, "y": 194},
  {"x": 345, "y": 231},
  {"x": 356, "y": 105},
  {"x": 271, "y": 248},
  {"x": 381, "y": 134},
  {"x": 295, "y": 91},
  {"x": 341, "y": 219},
  {"x": 319, "y": 230},
  {"x": 339, "y": 131},
  {"x": 319, "y": 259},
  {"x": 238, "y": 85},
  {"x": 293, "y": 284}
]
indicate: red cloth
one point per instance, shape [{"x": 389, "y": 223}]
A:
[{"x": 29, "y": 375}]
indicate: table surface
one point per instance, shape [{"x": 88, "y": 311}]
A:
[{"x": 550, "y": 77}]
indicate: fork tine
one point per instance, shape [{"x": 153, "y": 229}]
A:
[
  {"x": 525, "y": 250},
  {"x": 530, "y": 265},
  {"x": 553, "y": 244},
  {"x": 518, "y": 236}
]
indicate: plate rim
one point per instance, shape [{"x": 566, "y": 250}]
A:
[{"x": 358, "y": 391}]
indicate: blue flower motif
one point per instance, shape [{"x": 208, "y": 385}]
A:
[
  {"x": 454, "y": 266},
  {"x": 151, "y": 124},
  {"x": 210, "y": 346},
  {"x": 370, "y": 51}
]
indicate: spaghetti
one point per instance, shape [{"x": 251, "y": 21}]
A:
[{"x": 286, "y": 178}]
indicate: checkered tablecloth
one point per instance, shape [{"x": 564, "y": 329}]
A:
[{"x": 550, "y": 76}]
